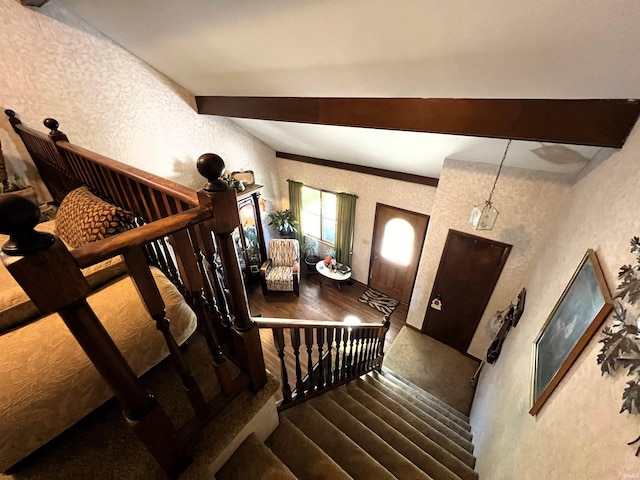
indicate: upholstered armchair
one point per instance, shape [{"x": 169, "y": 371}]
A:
[{"x": 281, "y": 272}]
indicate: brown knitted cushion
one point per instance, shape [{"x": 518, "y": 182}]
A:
[{"x": 83, "y": 218}]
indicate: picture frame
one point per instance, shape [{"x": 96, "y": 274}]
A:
[{"x": 582, "y": 307}]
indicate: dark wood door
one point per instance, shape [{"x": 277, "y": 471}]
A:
[
  {"x": 398, "y": 236},
  {"x": 469, "y": 270}
]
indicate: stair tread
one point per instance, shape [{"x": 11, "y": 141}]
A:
[
  {"x": 303, "y": 457},
  {"x": 463, "y": 440},
  {"x": 435, "y": 410},
  {"x": 430, "y": 440},
  {"x": 351, "y": 457},
  {"x": 406, "y": 440},
  {"x": 385, "y": 454},
  {"x": 264, "y": 463},
  {"x": 400, "y": 379}
]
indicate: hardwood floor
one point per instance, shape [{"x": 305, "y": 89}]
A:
[{"x": 318, "y": 301}]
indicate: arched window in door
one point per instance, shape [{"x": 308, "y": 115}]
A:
[{"x": 397, "y": 241}]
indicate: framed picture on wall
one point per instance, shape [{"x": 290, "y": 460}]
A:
[{"x": 577, "y": 315}]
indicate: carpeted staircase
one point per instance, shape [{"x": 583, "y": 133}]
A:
[{"x": 377, "y": 427}]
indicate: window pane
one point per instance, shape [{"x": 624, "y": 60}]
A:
[
  {"x": 329, "y": 205},
  {"x": 311, "y": 224},
  {"x": 397, "y": 241},
  {"x": 329, "y": 231},
  {"x": 311, "y": 200}
]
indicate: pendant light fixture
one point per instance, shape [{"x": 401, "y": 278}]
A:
[{"x": 484, "y": 218}]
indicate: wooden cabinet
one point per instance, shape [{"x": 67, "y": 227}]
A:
[{"x": 249, "y": 239}]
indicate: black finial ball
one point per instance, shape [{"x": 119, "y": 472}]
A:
[
  {"x": 9, "y": 113},
  {"x": 17, "y": 214},
  {"x": 211, "y": 166},
  {"x": 52, "y": 124}
]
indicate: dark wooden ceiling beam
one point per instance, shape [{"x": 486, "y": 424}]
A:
[
  {"x": 605, "y": 123},
  {"x": 378, "y": 172},
  {"x": 33, "y": 3}
]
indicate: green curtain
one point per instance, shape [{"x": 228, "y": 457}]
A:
[
  {"x": 345, "y": 224},
  {"x": 295, "y": 205}
]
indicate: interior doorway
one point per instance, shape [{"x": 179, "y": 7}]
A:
[
  {"x": 469, "y": 270},
  {"x": 398, "y": 237}
]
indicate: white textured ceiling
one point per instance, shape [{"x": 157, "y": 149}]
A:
[{"x": 382, "y": 48}]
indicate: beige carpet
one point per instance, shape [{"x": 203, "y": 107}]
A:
[
  {"x": 437, "y": 368},
  {"x": 376, "y": 427},
  {"x": 102, "y": 446}
]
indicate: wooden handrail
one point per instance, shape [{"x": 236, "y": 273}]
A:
[
  {"x": 264, "y": 322},
  {"x": 95, "y": 252},
  {"x": 180, "y": 192}
]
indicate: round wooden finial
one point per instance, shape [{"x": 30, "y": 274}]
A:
[
  {"x": 18, "y": 216},
  {"x": 52, "y": 124},
  {"x": 10, "y": 113},
  {"x": 211, "y": 167}
]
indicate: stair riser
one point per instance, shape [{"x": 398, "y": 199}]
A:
[
  {"x": 426, "y": 454},
  {"x": 412, "y": 393},
  {"x": 393, "y": 398},
  {"x": 390, "y": 374},
  {"x": 416, "y": 405},
  {"x": 385, "y": 405}
]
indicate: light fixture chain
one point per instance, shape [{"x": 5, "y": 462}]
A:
[{"x": 499, "y": 170}]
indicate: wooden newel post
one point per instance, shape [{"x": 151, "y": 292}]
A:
[
  {"x": 221, "y": 199},
  {"x": 50, "y": 276}
]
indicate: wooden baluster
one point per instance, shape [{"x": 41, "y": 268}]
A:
[
  {"x": 308, "y": 341},
  {"x": 205, "y": 230},
  {"x": 295, "y": 343},
  {"x": 278, "y": 340},
  {"x": 336, "y": 370},
  {"x": 345, "y": 358},
  {"x": 372, "y": 337},
  {"x": 320, "y": 341},
  {"x": 221, "y": 199},
  {"x": 352, "y": 335},
  {"x": 208, "y": 291},
  {"x": 49, "y": 275},
  {"x": 366, "y": 335},
  {"x": 371, "y": 351},
  {"x": 193, "y": 283},
  {"x": 360, "y": 350},
  {"x": 385, "y": 324},
  {"x": 148, "y": 291},
  {"x": 361, "y": 335},
  {"x": 173, "y": 272},
  {"x": 329, "y": 369}
]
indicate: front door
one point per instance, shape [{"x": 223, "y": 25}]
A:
[
  {"x": 398, "y": 236},
  {"x": 469, "y": 270}
]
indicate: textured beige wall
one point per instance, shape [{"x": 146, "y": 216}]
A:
[
  {"x": 106, "y": 99},
  {"x": 369, "y": 189},
  {"x": 578, "y": 433},
  {"x": 527, "y": 202}
]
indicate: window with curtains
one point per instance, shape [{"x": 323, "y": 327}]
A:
[{"x": 319, "y": 214}]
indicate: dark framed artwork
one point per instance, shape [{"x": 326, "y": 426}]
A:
[{"x": 577, "y": 315}]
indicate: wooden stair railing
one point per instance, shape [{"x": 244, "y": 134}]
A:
[
  {"x": 50, "y": 275},
  {"x": 333, "y": 353},
  {"x": 64, "y": 166}
]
